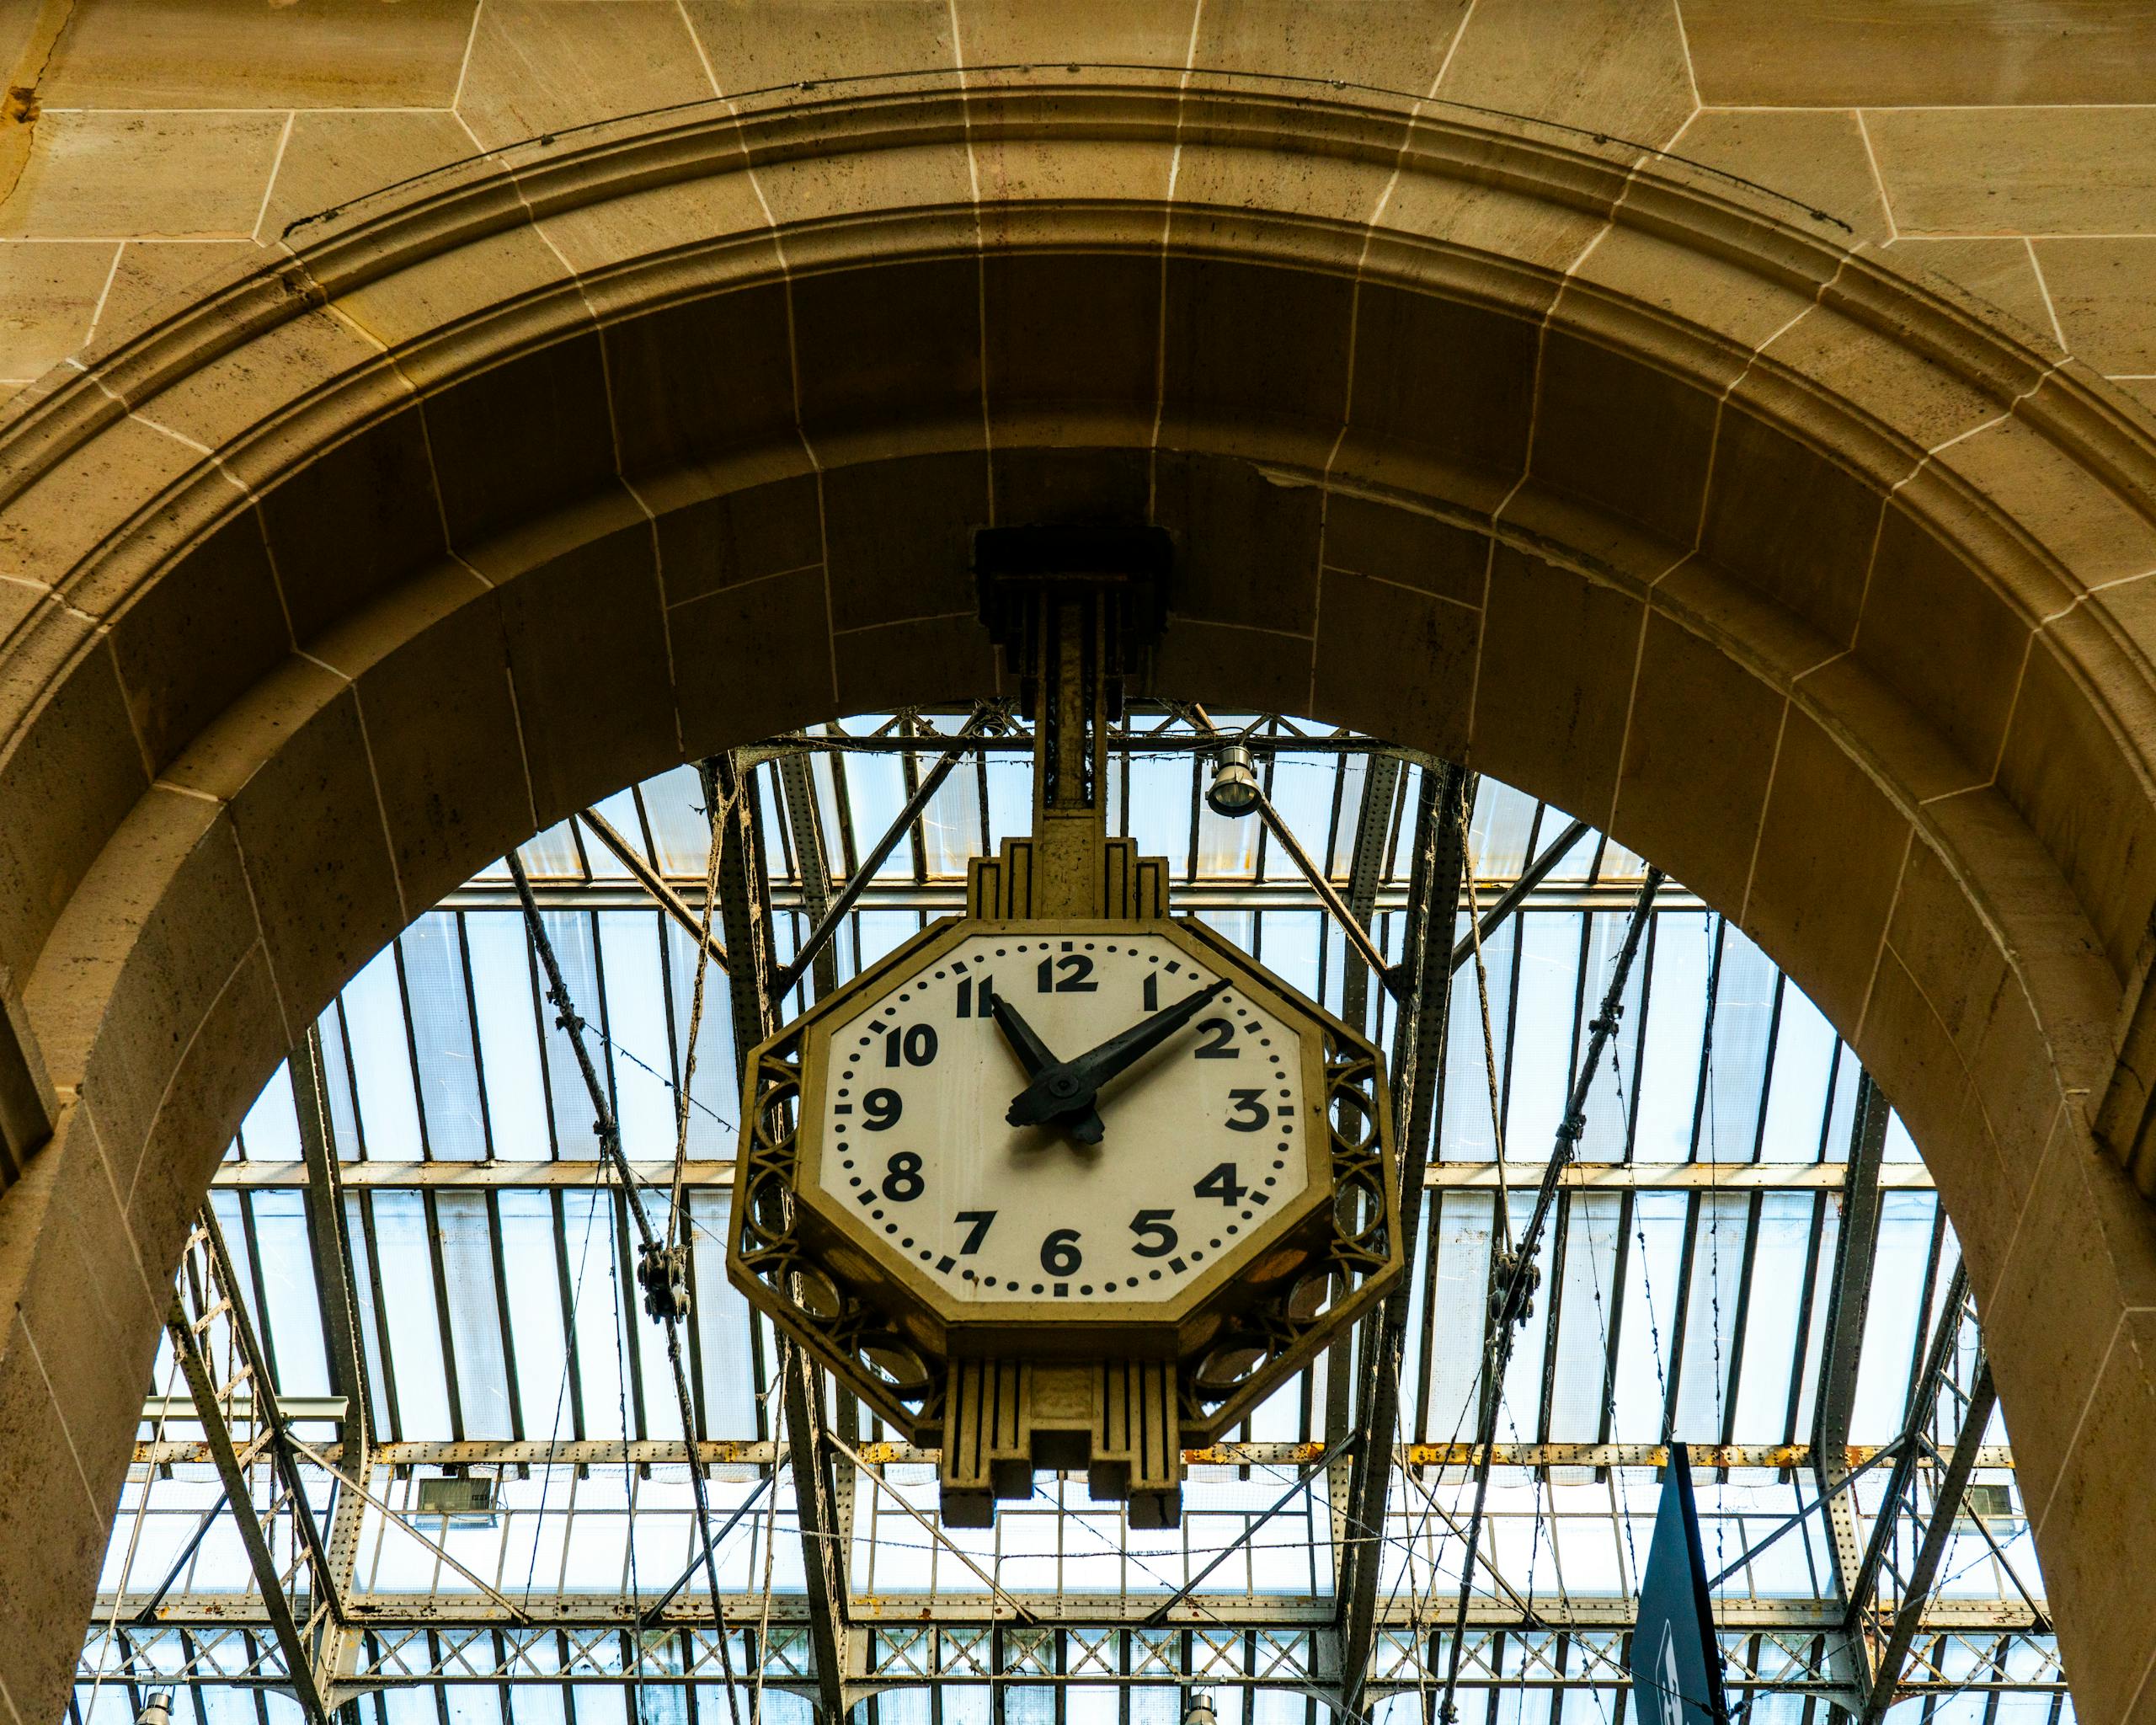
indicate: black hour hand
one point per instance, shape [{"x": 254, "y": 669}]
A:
[{"x": 1084, "y": 1123}]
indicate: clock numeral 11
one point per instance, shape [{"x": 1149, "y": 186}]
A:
[{"x": 976, "y": 1002}]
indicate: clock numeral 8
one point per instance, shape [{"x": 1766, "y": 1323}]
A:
[
  {"x": 902, "y": 1180},
  {"x": 1059, "y": 1252},
  {"x": 881, "y": 1108}
]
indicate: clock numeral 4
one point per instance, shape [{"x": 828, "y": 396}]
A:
[
  {"x": 1249, "y": 1114},
  {"x": 902, "y": 1180},
  {"x": 881, "y": 1109},
  {"x": 915, "y": 1045},
  {"x": 1156, "y": 1239},
  {"x": 976, "y": 1000},
  {"x": 1222, "y": 1183},
  {"x": 976, "y": 1221},
  {"x": 1077, "y": 977},
  {"x": 1219, "y": 1043},
  {"x": 1059, "y": 1252}
]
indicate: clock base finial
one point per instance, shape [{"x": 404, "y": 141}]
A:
[{"x": 1117, "y": 1419}]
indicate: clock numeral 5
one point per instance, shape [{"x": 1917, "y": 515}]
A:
[
  {"x": 915, "y": 1045},
  {"x": 1077, "y": 977},
  {"x": 1157, "y": 1238},
  {"x": 1059, "y": 1252},
  {"x": 902, "y": 1180},
  {"x": 1249, "y": 1114},
  {"x": 881, "y": 1109},
  {"x": 976, "y": 1221}
]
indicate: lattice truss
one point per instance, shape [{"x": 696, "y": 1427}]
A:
[{"x": 470, "y": 1488}]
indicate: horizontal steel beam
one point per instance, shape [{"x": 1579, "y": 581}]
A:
[{"x": 1518, "y": 1174}]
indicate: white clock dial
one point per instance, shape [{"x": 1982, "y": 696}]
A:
[{"x": 1201, "y": 1139}]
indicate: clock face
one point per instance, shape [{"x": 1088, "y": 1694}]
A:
[{"x": 1202, "y": 1139}]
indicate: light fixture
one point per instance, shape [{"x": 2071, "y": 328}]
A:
[
  {"x": 1234, "y": 791},
  {"x": 1200, "y": 1710},
  {"x": 157, "y": 1710}
]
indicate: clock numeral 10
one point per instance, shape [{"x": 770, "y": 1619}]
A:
[
  {"x": 915, "y": 1045},
  {"x": 976, "y": 1002}
]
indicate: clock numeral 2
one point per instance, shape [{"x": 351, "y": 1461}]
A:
[
  {"x": 915, "y": 1045},
  {"x": 1219, "y": 1034},
  {"x": 976, "y": 1003},
  {"x": 1059, "y": 1252},
  {"x": 1249, "y": 1114},
  {"x": 1221, "y": 1183},
  {"x": 1077, "y": 977},
  {"x": 1157, "y": 1238},
  {"x": 902, "y": 1180},
  {"x": 881, "y": 1109},
  {"x": 976, "y": 1221}
]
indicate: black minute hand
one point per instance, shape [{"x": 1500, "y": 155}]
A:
[{"x": 1064, "y": 1088}]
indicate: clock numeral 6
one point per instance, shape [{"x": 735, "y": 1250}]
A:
[
  {"x": 1059, "y": 1252},
  {"x": 881, "y": 1108},
  {"x": 1157, "y": 1238},
  {"x": 902, "y": 1180},
  {"x": 1220, "y": 1042},
  {"x": 1249, "y": 1114},
  {"x": 976, "y": 1221},
  {"x": 915, "y": 1045}
]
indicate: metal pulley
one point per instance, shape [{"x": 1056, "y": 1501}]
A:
[
  {"x": 664, "y": 1273},
  {"x": 1502, "y": 1270}
]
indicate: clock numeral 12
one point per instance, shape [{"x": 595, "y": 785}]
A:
[
  {"x": 976, "y": 1002},
  {"x": 1077, "y": 977}
]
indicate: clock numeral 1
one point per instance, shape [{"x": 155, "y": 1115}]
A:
[
  {"x": 1221, "y": 1183},
  {"x": 976, "y": 1221},
  {"x": 1059, "y": 1252},
  {"x": 915, "y": 1045},
  {"x": 1152, "y": 991},
  {"x": 1156, "y": 1239},
  {"x": 976, "y": 1003}
]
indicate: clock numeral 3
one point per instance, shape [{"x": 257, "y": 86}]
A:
[
  {"x": 976, "y": 1002},
  {"x": 1219, "y": 1034},
  {"x": 1059, "y": 1252},
  {"x": 915, "y": 1045},
  {"x": 902, "y": 1180},
  {"x": 881, "y": 1108},
  {"x": 976, "y": 1221},
  {"x": 1077, "y": 977},
  {"x": 1249, "y": 1114},
  {"x": 1157, "y": 1238},
  {"x": 1221, "y": 1183}
]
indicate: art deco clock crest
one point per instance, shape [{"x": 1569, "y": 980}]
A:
[{"x": 1065, "y": 1183}]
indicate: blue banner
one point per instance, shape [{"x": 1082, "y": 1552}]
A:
[{"x": 1676, "y": 1663}]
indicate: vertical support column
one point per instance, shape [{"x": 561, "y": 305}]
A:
[
  {"x": 1070, "y": 761},
  {"x": 331, "y": 1250},
  {"x": 1418, "y": 1044},
  {"x": 1848, "y": 1300},
  {"x": 745, "y": 915}
]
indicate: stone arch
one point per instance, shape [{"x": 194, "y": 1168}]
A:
[{"x": 1612, "y": 477}]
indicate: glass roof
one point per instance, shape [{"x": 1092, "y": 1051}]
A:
[{"x": 1685, "y": 1295}]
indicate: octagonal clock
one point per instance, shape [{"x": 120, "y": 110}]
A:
[{"x": 1064, "y": 1192}]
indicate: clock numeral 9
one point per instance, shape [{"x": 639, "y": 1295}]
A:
[
  {"x": 902, "y": 1180},
  {"x": 1249, "y": 1114},
  {"x": 1059, "y": 1252},
  {"x": 1219, "y": 1043},
  {"x": 915, "y": 1045},
  {"x": 1077, "y": 977},
  {"x": 1157, "y": 1238},
  {"x": 881, "y": 1108}
]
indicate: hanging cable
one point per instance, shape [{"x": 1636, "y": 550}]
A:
[
  {"x": 609, "y": 1134},
  {"x": 1509, "y": 1301},
  {"x": 1483, "y": 991}
]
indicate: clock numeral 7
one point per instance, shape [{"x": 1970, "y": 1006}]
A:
[
  {"x": 1249, "y": 1114},
  {"x": 976, "y": 1221},
  {"x": 1157, "y": 1238}
]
